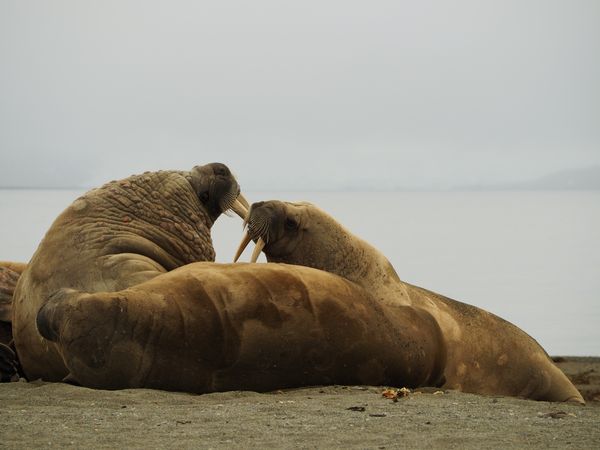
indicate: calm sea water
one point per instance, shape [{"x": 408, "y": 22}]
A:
[{"x": 532, "y": 258}]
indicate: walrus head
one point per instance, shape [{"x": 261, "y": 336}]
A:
[
  {"x": 218, "y": 190},
  {"x": 301, "y": 234}
]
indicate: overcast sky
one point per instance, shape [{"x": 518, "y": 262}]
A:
[{"x": 299, "y": 95}]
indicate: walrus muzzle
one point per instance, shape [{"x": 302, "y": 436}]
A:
[{"x": 257, "y": 228}]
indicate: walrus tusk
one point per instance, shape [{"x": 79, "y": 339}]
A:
[
  {"x": 245, "y": 241},
  {"x": 239, "y": 208},
  {"x": 260, "y": 244},
  {"x": 243, "y": 201}
]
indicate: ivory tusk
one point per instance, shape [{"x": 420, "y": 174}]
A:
[
  {"x": 260, "y": 244},
  {"x": 239, "y": 209},
  {"x": 245, "y": 241},
  {"x": 243, "y": 201}
]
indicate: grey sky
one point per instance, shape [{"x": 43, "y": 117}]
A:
[{"x": 299, "y": 95}]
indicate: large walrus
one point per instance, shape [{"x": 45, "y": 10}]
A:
[
  {"x": 485, "y": 354},
  {"x": 209, "y": 327},
  {"x": 114, "y": 237}
]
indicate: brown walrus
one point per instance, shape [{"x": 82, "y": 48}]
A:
[
  {"x": 209, "y": 327},
  {"x": 485, "y": 354},
  {"x": 114, "y": 237}
]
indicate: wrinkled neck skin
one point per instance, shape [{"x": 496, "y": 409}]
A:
[
  {"x": 157, "y": 208},
  {"x": 328, "y": 246}
]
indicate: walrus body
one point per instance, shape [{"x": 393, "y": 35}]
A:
[
  {"x": 484, "y": 353},
  {"x": 212, "y": 327},
  {"x": 114, "y": 237}
]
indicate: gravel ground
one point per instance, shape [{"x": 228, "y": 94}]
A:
[{"x": 53, "y": 415}]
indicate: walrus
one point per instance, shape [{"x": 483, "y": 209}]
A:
[
  {"x": 208, "y": 327},
  {"x": 114, "y": 237},
  {"x": 485, "y": 354}
]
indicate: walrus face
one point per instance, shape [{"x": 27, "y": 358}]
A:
[
  {"x": 293, "y": 233},
  {"x": 218, "y": 190},
  {"x": 275, "y": 226}
]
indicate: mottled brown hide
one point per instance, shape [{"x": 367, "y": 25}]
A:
[{"x": 211, "y": 327}]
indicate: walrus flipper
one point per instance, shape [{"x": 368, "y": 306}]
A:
[
  {"x": 50, "y": 317},
  {"x": 82, "y": 325}
]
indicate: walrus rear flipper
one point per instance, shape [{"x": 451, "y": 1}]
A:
[{"x": 561, "y": 388}]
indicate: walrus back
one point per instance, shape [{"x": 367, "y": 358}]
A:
[{"x": 209, "y": 327}]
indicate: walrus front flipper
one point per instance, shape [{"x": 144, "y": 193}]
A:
[
  {"x": 100, "y": 342},
  {"x": 50, "y": 317}
]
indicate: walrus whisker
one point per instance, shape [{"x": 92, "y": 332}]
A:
[
  {"x": 257, "y": 227},
  {"x": 263, "y": 228},
  {"x": 235, "y": 201},
  {"x": 264, "y": 231},
  {"x": 245, "y": 241},
  {"x": 260, "y": 244},
  {"x": 228, "y": 199}
]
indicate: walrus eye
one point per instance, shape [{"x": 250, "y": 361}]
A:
[
  {"x": 290, "y": 224},
  {"x": 204, "y": 197}
]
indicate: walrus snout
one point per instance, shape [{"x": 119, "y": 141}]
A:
[
  {"x": 259, "y": 223},
  {"x": 272, "y": 225}
]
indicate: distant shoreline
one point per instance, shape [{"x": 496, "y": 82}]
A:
[{"x": 580, "y": 179}]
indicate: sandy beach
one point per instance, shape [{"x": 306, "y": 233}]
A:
[{"x": 56, "y": 415}]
